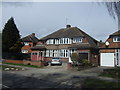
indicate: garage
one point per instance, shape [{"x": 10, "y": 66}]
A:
[{"x": 107, "y": 59}]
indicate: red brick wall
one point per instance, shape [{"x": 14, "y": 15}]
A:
[
  {"x": 28, "y": 47},
  {"x": 14, "y": 61},
  {"x": 49, "y": 59},
  {"x": 112, "y": 44},
  {"x": 107, "y": 51},
  {"x": 93, "y": 56},
  {"x": 36, "y": 63}
]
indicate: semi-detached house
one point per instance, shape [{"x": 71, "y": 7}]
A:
[
  {"x": 110, "y": 51},
  {"x": 62, "y": 43}
]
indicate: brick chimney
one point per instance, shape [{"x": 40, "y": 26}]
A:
[
  {"x": 68, "y": 26},
  {"x": 33, "y": 34}
]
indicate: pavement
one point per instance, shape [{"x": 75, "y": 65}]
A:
[{"x": 49, "y": 77}]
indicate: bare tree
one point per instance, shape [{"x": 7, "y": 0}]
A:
[{"x": 114, "y": 10}]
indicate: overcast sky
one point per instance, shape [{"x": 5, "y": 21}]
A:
[{"x": 45, "y": 18}]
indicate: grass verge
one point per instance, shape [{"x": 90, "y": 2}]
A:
[
  {"x": 113, "y": 73},
  {"x": 23, "y": 65},
  {"x": 96, "y": 83}
]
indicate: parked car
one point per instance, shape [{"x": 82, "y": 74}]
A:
[{"x": 56, "y": 61}]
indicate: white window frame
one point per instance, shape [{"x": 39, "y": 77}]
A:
[
  {"x": 77, "y": 40},
  {"x": 115, "y": 39},
  {"x": 47, "y": 53},
  {"x": 50, "y": 41},
  {"x": 24, "y": 51},
  {"x": 117, "y": 54},
  {"x": 64, "y": 53},
  {"x": 26, "y": 43}
]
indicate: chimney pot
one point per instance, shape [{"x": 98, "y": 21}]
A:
[
  {"x": 33, "y": 34},
  {"x": 68, "y": 26}
]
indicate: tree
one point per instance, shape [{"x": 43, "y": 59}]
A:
[
  {"x": 75, "y": 58},
  {"x": 114, "y": 10},
  {"x": 10, "y": 37}
]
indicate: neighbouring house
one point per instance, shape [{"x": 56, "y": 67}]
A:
[
  {"x": 29, "y": 42},
  {"x": 63, "y": 43},
  {"x": 110, "y": 51}
]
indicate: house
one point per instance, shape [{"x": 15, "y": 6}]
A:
[
  {"x": 110, "y": 51},
  {"x": 62, "y": 43},
  {"x": 29, "y": 42}
]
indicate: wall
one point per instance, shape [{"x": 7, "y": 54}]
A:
[
  {"x": 36, "y": 63},
  {"x": 112, "y": 44},
  {"x": 107, "y": 51},
  {"x": 49, "y": 59},
  {"x": 28, "y": 47},
  {"x": 14, "y": 61}
]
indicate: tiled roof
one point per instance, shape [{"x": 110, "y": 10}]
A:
[
  {"x": 38, "y": 47},
  {"x": 30, "y": 38},
  {"x": 117, "y": 33},
  {"x": 65, "y": 33},
  {"x": 70, "y": 33}
]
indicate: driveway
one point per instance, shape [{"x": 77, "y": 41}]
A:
[{"x": 48, "y": 77}]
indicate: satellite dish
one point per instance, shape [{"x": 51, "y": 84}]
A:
[{"x": 107, "y": 43}]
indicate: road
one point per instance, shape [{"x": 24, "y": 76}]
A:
[{"x": 48, "y": 77}]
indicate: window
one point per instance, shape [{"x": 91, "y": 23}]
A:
[
  {"x": 64, "y": 53},
  {"x": 72, "y": 51},
  {"x": 56, "y": 53},
  {"x": 24, "y": 51},
  {"x": 116, "y": 39},
  {"x": 77, "y": 40},
  {"x": 47, "y": 53},
  {"x": 56, "y": 41},
  {"x": 65, "y": 41},
  {"x": 52, "y": 53},
  {"x": 50, "y": 41},
  {"x": 26, "y": 43},
  {"x": 118, "y": 57}
]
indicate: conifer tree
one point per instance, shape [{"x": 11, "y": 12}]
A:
[{"x": 10, "y": 37}]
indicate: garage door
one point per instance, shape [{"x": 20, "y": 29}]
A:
[{"x": 107, "y": 59}]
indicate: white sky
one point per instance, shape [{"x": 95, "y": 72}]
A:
[{"x": 45, "y": 18}]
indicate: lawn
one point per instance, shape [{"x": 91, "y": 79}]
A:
[
  {"x": 23, "y": 65},
  {"x": 96, "y": 83},
  {"x": 113, "y": 73}
]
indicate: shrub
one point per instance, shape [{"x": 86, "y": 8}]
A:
[
  {"x": 85, "y": 62},
  {"x": 75, "y": 58}
]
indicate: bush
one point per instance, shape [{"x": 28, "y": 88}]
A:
[
  {"x": 75, "y": 58},
  {"x": 85, "y": 62}
]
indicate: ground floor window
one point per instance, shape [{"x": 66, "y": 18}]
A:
[
  {"x": 57, "y": 53},
  {"x": 64, "y": 53},
  {"x": 52, "y": 53},
  {"x": 72, "y": 51},
  {"x": 117, "y": 56},
  {"x": 24, "y": 51},
  {"x": 83, "y": 56}
]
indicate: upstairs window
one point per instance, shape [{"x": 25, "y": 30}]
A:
[
  {"x": 50, "y": 41},
  {"x": 65, "y": 41},
  {"x": 77, "y": 40},
  {"x": 116, "y": 39},
  {"x": 26, "y": 43}
]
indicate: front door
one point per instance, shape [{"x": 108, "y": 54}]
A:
[
  {"x": 41, "y": 55},
  {"x": 118, "y": 57}
]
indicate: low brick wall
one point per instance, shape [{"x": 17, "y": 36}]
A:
[
  {"x": 14, "y": 61},
  {"x": 63, "y": 59},
  {"x": 36, "y": 63}
]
